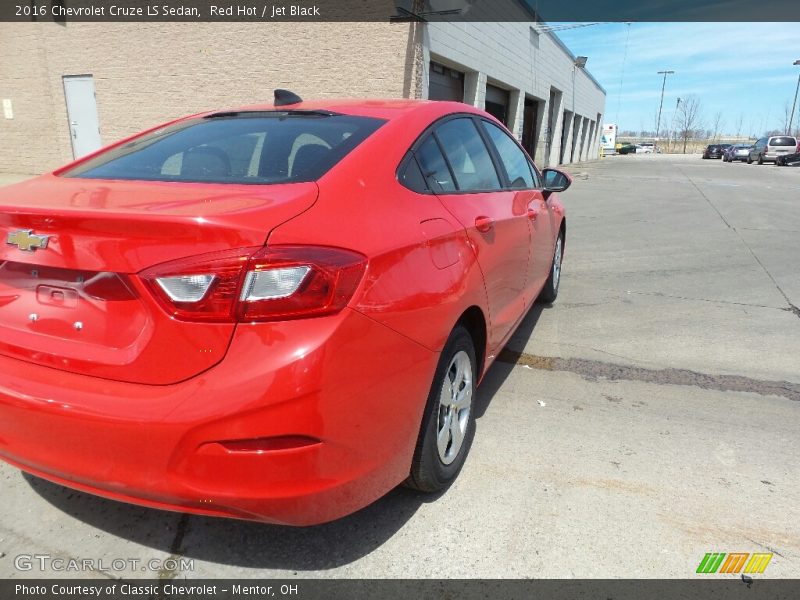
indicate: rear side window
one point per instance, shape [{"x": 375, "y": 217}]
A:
[
  {"x": 513, "y": 158},
  {"x": 434, "y": 167},
  {"x": 783, "y": 141},
  {"x": 258, "y": 147},
  {"x": 468, "y": 156},
  {"x": 410, "y": 175}
]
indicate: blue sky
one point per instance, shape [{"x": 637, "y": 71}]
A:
[{"x": 743, "y": 70}]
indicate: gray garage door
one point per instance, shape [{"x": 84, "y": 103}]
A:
[
  {"x": 497, "y": 103},
  {"x": 445, "y": 83}
]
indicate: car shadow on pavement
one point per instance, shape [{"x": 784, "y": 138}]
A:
[
  {"x": 247, "y": 544},
  {"x": 237, "y": 543}
]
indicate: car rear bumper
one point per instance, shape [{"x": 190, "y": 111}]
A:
[{"x": 353, "y": 389}]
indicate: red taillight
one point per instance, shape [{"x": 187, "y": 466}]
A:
[
  {"x": 326, "y": 279},
  {"x": 257, "y": 284},
  {"x": 217, "y": 302}
]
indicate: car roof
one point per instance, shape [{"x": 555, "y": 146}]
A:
[{"x": 377, "y": 108}]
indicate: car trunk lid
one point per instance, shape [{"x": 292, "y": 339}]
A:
[{"x": 70, "y": 250}]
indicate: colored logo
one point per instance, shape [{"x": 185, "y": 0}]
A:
[{"x": 734, "y": 562}]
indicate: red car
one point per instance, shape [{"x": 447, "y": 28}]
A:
[{"x": 275, "y": 313}]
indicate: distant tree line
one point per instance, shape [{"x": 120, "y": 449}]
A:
[{"x": 688, "y": 123}]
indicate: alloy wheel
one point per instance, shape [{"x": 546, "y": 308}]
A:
[
  {"x": 455, "y": 404},
  {"x": 557, "y": 263}
]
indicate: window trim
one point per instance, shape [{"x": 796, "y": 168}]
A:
[
  {"x": 499, "y": 167},
  {"x": 489, "y": 151},
  {"x": 492, "y": 148},
  {"x": 447, "y": 162}
]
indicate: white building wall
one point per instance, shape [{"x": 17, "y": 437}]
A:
[{"x": 513, "y": 56}]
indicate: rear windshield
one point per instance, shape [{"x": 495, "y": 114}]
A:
[
  {"x": 254, "y": 147},
  {"x": 783, "y": 141}
]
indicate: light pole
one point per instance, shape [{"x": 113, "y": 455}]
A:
[
  {"x": 660, "y": 106},
  {"x": 672, "y": 133},
  {"x": 791, "y": 117}
]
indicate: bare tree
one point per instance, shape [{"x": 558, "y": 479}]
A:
[
  {"x": 787, "y": 117},
  {"x": 717, "y": 125},
  {"x": 739, "y": 125},
  {"x": 688, "y": 118}
]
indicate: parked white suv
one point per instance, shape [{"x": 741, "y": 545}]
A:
[
  {"x": 768, "y": 149},
  {"x": 645, "y": 148}
]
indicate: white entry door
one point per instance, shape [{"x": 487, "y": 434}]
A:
[{"x": 84, "y": 126}]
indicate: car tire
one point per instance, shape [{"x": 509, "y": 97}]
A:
[
  {"x": 760, "y": 159},
  {"x": 549, "y": 292},
  {"x": 448, "y": 423},
  {"x": 749, "y": 160}
]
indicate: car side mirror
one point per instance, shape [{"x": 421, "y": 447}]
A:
[{"x": 555, "y": 180}]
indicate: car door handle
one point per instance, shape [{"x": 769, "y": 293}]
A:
[
  {"x": 484, "y": 224},
  {"x": 532, "y": 214}
]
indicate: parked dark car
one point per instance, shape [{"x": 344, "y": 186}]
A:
[
  {"x": 737, "y": 152},
  {"x": 788, "y": 160},
  {"x": 715, "y": 150},
  {"x": 627, "y": 149}
]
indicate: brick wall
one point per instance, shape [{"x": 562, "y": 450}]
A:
[{"x": 147, "y": 73}]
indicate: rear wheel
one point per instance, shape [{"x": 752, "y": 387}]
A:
[
  {"x": 760, "y": 159},
  {"x": 549, "y": 292},
  {"x": 448, "y": 425},
  {"x": 749, "y": 160}
]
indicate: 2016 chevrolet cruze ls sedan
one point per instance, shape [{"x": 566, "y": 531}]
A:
[{"x": 275, "y": 313}]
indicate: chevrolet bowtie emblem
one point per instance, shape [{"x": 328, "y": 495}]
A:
[{"x": 25, "y": 239}]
